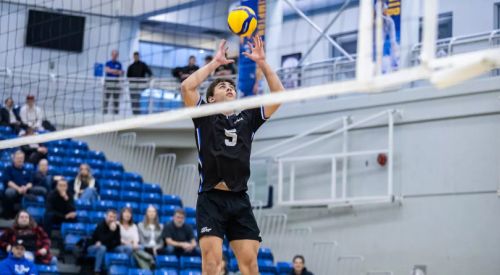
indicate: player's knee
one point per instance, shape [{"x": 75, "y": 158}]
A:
[
  {"x": 211, "y": 267},
  {"x": 250, "y": 264}
]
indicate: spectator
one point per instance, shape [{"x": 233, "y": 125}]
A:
[
  {"x": 33, "y": 152},
  {"x": 10, "y": 118},
  {"x": 34, "y": 238},
  {"x": 128, "y": 230},
  {"x": 19, "y": 182},
  {"x": 150, "y": 232},
  {"x": 32, "y": 115},
  {"x": 208, "y": 59},
  {"x": 179, "y": 236},
  {"x": 85, "y": 187},
  {"x": 16, "y": 263},
  {"x": 106, "y": 238},
  {"x": 42, "y": 177},
  {"x": 189, "y": 69},
  {"x": 113, "y": 71},
  {"x": 60, "y": 207},
  {"x": 227, "y": 69},
  {"x": 224, "y": 269},
  {"x": 138, "y": 71},
  {"x": 299, "y": 266}
]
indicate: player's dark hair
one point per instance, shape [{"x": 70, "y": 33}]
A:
[
  {"x": 180, "y": 211},
  {"x": 211, "y": 88},
  {"x": 299, "y": 257}
]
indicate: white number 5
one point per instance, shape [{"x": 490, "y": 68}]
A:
[{"x": 232, "y": 134}]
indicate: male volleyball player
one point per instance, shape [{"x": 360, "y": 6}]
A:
[{"x": 224, "y": 143}]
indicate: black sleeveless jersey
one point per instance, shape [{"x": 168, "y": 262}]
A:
[{"x": 224, "y": 146}]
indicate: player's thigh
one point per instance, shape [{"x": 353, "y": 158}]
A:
[
  {"x": 245, "y": 251},
  {"x": 211, "y": 250}
]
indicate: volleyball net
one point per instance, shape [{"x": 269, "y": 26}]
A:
[{"x": 69, "y": 80}]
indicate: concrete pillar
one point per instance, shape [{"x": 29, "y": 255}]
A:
[{"x": 274, "y": 21}]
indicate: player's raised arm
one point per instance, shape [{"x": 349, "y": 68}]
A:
[
  {"x": 188, "y": 87},
  {"x": 272, "y": 78}
]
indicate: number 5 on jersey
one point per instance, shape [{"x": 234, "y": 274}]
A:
[{"x": 231, "y": 134}]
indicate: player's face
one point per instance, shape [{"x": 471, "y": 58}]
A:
[{"x": 224, "y": 91}]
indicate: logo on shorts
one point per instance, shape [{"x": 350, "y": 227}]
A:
[{"x": 205, "y": 230}]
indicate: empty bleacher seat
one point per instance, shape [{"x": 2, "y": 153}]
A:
[
  {"x": 116, "y": 259},
  {"x": 5, "y": 130},
  {"x": 96, "y": 155},
  {"x": 97, "y": 217},
  {"x": 70, "y": 241},
  {"x": 138, "y": 218},
  {"x": 112, "y": 165},
  {"x": 37, "y": 201},
  {"x": 118, "y": 270},
  {"x": 73, "y": 228},
  {"x": 230, "y": 251},
  {"x": 56, "y": 151},
  {"x": 112, "y": 175},
  {"x": 53, "y": 170},
  {"x": 130, "y": 196},
  {"x": 37, "y": 213},
  {"x": 109, "y": 194},
  {"x": 145, "y": 206},
  {"x": 72, "y": 161},
  {"x": 76, "y": 153},
  {"x": 2, "y": 188},
  {"x": 233, "y": 265},
  {"x": 132, "y": 186},
  {"x": 266, "y": 266},
  {"x": 127, "y": 176},
  {"x": 190, "y": 212},
  {"x": 110, "y": 184},
  {"x": 172, "y": 200},
  {"x": 29, "y": 167},
  {"x": 166, "y": 219},
  {"x": 151, "y": 188},
  {"x": 166, "y": 271},
  {"x": 47, "y": 269},
  {"x": 133, "y": 205},
  {"x": 137, "y": 271},
  {"x": 151, "y": 198},
  {"x": 4, "y": 164},
  {"x": 57, "y": 143},
  {"x": 95, "y": 163},
  {"x": 55, "y": 160},
  {"x": 105, "y": 205},
  {"x": 82, "y": 216},
  {"x": 191, "y": 221},
  {"x": 284, "y": 267},
  {"x": 80, "y": 145},
  {"x": 69, "y": 171},
  {"x": 96, "y": 173},
  {"x": 190, "y": 272},
  {"x": 265, "y": 253},
  {"x": 168, "y": 210},
  {"x": 6, "y": 156},
  {"x": 91, "y": 228},
  {"x": 191, "y": 263},
  {"x": 167, "y": 261}
]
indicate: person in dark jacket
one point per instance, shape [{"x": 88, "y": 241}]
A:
[
  {"x": 299, "y": 266},
  {"x": 189, "y": 69},
  {"x": 16, "y": 263},
  {"x": 136, "y": 71},
  {"x": 60, "y": 207},
  {"x": 10, "y": 118},
  {"x": 107, "y": 238},
  {"x": 43, "y": 178},
  {"x": 33, "y": 152}
]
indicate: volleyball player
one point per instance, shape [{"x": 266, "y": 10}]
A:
[{"x": 224, "y": 144}]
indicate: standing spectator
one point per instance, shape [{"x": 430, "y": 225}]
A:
[
  {"x": 32, "y": 115},
  {"x": 16, "y": 263},
  {"x": 189, "y": 69},
  {"x": 19, "y": 182},
  {"x": 106, "y": 238},
  {"x": 129, "y": 232},
  {"x": 85, "y": 187},
  {"x": 113, "y": 87},
  {"x": 179, "y": 236},
  {"x": 33, "y": 152},
  {"x": 10, "y": 118},
  {"x": 43, "y": 178},
  {"x": 60, "y": 207},
  {"x": 150, "y": 231},
  {"x": 299, "y": 266},
  {"x": 227, "y": 69},
  {"x": 136, "y": 70},
  {"x": 34, "y": 238}
]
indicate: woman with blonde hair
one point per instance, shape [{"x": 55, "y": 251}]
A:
[
  {"x": 150, "y": 230},
  {"x": 85, "y": 187}
]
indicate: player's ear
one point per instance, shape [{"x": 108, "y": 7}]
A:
[{"x": 211, "y": 99}]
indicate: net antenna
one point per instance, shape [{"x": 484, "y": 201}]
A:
[{"x": 442, "y": 72}]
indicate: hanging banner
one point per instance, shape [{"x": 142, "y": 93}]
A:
[
  {"x": 250, "y": 76},
  {"x": 391, "y": 15}
]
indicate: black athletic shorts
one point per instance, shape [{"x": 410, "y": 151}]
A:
[{"x": 220, "y": 213}]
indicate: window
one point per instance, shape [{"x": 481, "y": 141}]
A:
[
  {"x": 348, "y": 42},
  {"x": 496, "y": 23},
  {"x": 445, "y": 26},
  {"x": 171, "y": 56}
]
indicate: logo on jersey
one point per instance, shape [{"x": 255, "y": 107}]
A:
[
  {"x": 20, "y": 269},
  {"x": 238, "y": 120},
  {"x": 205, "y": 230}
]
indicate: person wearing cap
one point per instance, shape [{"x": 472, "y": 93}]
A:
[
  {"x": 16, "y": 263},
  {"x": 31, "y": 114}
]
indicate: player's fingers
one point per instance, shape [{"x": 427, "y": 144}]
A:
[
  {"x": 257, "y": 42},
  {"x": 250, "y": 45},
  {"x": 227, "y": 48},
  {"x": 245, "y": 54},
  {"x": 261, "y": 42},
  {"x": 232, "y": 60}
]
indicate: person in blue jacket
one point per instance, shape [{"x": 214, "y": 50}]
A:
[{"x": 16, "y": 263}]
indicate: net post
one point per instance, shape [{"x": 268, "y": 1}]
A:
[
  {"x": 429, "y": 32},
  {"x": 364, "y": 66}
]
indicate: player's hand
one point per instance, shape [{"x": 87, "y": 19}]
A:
[
  {"x": 257, "y": 50},
  {"x": 221, "y": 55}
]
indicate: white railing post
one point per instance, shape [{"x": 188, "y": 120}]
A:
[
  {"x": 334, "y": 179},
  {"x": 292, "y": 181},
  {"x": 280, "y": 181},
  {"x": 345, "y": 143},
  {"x": 390, "y": 154}
]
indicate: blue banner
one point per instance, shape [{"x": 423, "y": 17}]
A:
[
  {"x": 391, "y": 15},
  {"x": 250, "y": 76}
]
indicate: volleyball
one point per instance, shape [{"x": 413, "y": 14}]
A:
[{"x": 242, "y": 21}]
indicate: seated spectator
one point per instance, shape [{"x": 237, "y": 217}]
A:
[
  {"x": 224, "y": 268},
  {"x": 33, "y": 152},
  {"x": 42, "y": 178},
  {"x": 32, "y": 115},
  {"x": 107, "y": 238},
  {"x": 150, "y": 233},
  {"x": 189, "y": 69},
  {"x": 16, "y": 263},
  {"x": 299, "y": 266},
  {"x": 128, "y": 230},
  {"x": 179, "y": 236},
  {"x": 85, "y": 187},
  {"x": 60, "y": 207},
  {"x": 208, "y": 59},
  {"x": 227, "y": 69},
  {"x": 19, "y": 182},
  {"x": 10, "y": 118},
  {"x": 34, "y": 238}
]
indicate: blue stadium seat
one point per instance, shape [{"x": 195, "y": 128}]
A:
[
  {"x": 97, "y": 217},
  {"x": 57, "y": 143},
  {"x": 95, "y": 163},
  {"x": 138, "y": 218},
  {"x": 96, "y": 155},
  {"x": 53, "y": 170},
  {"x": 73, "y": 228},
  {"x": 127, "y": 176},
  {"x": 36, "y": 213},
  {"x": 137, "y": 271},
  {"x": 190, "y": 272},
  {"x": 110, "y": 184},
  {"x": 70, "y": 241},
  {"x": 130, "y": 196},
  {"x": 5, "y": 130},
  {"x": 167, "y": 261},
  {"x": 47, "y": 269},
  {"x": 69, "y": 178},
  {"x": 112, "y": 175},
  {"x": 134, "y": 205},
  {"x": 117, "y": 269},
  {"x": 105, "y": 205},
  {"x": 112, "y": 165},
  {"x": 80, "y": 145},
  {"x": 109, "y": 194},
  {"x": 29, "y": 166},
  {"x": 69, "y": 171},
  {"x": 72, "y": 161},
  {"x": 132, "y": 186},
  {"x": 91, "y": 228},
  {"x": 191, "y": 221},
  {"x": 166, "y": 271},
  {"x": 96, "y": 173},
  {"x": 56, "y": 151},
  {"x": 151, "y": 188},
  {"x": 284, "y": 267},
  {"x": 55, "y": 160},
  {"x": 82, "y": 216},
  {"x": 145, "y": 206},
  {"x": 224, "y": 247},
  {"x": 266, "y": 266},
  {"x": 190, "y": 212},
  {"x": 2, "y": 188},
  {"x": 191, "y": 263},
  {"x": 6, "y": 156},
  {"x": 37, "y": 201},
  {"x": 116, "y": 259},
  {"x": 76, "y": 153},
  {"x": 3, "y": 255},
  {"x": 4, "y": 165},
  {"x": 151, "y": 198},
  {"x": 168, "y": 210},
  {"x": 233, "y": 265},
  {"x": 166, "y": 219},
  {"x": 265, "y": 253},
  {"x": 172, "y": 200}
]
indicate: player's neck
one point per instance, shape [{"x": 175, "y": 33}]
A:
[{"x": 230, "y": 113}]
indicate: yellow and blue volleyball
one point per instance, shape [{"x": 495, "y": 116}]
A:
[{"x": 242, "y": 21}]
